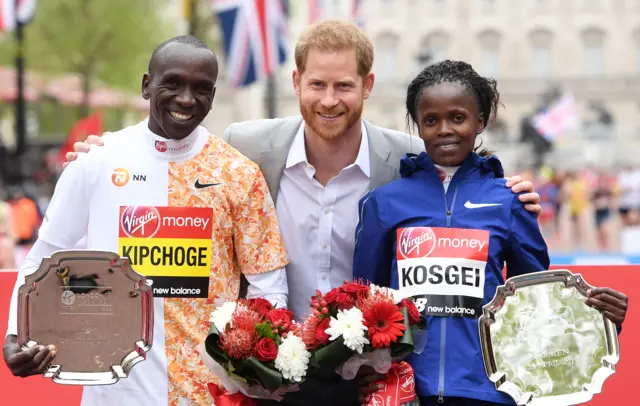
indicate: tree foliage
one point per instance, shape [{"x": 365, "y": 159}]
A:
[{"x": 106, "y": 40}]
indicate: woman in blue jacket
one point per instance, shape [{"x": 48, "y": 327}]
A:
[{"x": 443, "y": 231}]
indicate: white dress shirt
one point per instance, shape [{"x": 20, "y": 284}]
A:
[{"x": 318, "y": 223}]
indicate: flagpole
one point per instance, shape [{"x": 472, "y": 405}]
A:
[
  {"x": 193, "y": 17},
  {"x": 21, "y": 136},
  {"x": 270, "y": 96}
]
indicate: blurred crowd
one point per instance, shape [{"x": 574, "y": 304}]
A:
[
  {"x": 22, "y": 208},
  {"x": 585, "y": 210}
]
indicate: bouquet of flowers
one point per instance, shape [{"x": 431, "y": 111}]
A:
[
  {"x": 253, "y": 351},
  {"x": 357, "y": 324}
]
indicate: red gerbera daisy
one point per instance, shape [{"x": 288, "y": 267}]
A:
[{"x": 385, "y": 323}]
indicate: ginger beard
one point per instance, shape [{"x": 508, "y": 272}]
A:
[{"x": 331, "y": 129}]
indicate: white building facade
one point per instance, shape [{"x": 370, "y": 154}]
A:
[{"x": 588, "y": 48}]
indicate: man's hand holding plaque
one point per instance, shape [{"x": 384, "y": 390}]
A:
[
  {"x": 84, "y": 318},
  {"x": 23, "y": 363},
  {"x": 549, "y": 338}
]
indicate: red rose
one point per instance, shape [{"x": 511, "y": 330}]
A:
[
  {"x": 322, "y": 338},
  {"x": 354, "y": 288},
  {"x": 280, "y": 318},
  {"x": 260, "y": 305},
  {"x": 414, "y": 314},
  {"x": 345, "y": 301},
  {"x": 266, "y": 350},
  {"x": 331, "y": 296}
]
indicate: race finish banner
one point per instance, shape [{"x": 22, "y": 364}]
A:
[
  {"x": 443, "y": 269},
  {"x": 171, "y": 246}
]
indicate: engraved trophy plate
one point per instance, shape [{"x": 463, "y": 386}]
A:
[
  {"x": 94, "y": 308},
  {"x": 541, "y": 343}
]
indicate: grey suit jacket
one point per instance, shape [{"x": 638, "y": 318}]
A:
[{"x": 267, "y": 142}]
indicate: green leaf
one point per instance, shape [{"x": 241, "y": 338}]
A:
[
  {"x": 404, "y": 346},
  {"x": 333, "y": 355},
  {"x": 248, "y": 370},
  {"x": 269, "y": 378},
  {"x": 237, "y": 377},
  {"x": 265, "y": 330},
  {"x": 212, "y": 345}
]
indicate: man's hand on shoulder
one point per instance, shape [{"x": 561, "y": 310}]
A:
[
  {"x": 530, "y": 198},
  {"x": 23, "y": 363},
  {"x": 82, "y": 147}
]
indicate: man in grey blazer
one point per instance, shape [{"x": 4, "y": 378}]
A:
[
  {"x": 268, "y": 142},
  {"x": 318, "y": 165}
]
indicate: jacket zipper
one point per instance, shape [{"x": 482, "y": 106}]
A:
[{"x": 443, "y": 324}]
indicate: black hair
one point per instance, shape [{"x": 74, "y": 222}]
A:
[
  {"x": 484, "y": 90},
  {"x": 180, "y": 39}
]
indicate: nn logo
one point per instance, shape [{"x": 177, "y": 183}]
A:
[{"x": 121, "y": 177}]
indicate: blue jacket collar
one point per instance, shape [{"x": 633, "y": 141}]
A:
[{"x": 412, "y": 163}]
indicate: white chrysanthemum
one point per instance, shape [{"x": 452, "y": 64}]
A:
[
  {"x": 349, "y": 325},
  {"x": 293, "y": 358},
  {"x": 393, "y": 293},
  {"x": 222, "y": 315}
]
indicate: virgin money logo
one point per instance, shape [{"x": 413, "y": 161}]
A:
[
  {"x": 161, "y": 146},
  {"x": 416, "y": 242},
  {"x": 376, "y": 400},
  {"x": 408, "y": 384},
  {"x": 140, "y": 221}
]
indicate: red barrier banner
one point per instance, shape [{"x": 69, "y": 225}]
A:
[{"x": 618, "y": 389}]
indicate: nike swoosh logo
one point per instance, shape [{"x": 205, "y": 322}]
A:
[
  {"x": 470, "y": 205},
  {"x": 204, "y": 185}
]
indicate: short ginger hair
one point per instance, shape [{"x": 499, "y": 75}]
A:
[{"x": 335, "y": 35}]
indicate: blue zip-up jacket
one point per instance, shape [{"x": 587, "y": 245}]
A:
[{"x": 451, "y": 364}]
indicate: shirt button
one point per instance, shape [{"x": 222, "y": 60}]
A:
[
  {"x": 326, "y": 211},
  {"x": 324, "y": 245},
  {"x": 324, "y": 276}
]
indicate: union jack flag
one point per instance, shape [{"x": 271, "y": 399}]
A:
[
  {"x": 254, "y": 34},
  {"x": 559, "y": 118}
]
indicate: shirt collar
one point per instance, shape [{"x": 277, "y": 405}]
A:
[
  {"x": 298, "y": 153},
  {"x": 168, "y": 148}
]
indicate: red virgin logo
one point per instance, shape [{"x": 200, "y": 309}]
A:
[
  {"x": 140, "y": 221},
  {"x": 407, "y": 383},
  {"x": 161, "y": 146},
  {"x": 416, "y": 242}
]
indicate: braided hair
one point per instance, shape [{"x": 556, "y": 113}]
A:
[{"x": 484, "y": 90}]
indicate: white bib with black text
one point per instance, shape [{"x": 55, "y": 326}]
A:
[{"x": 443, "y": 269}]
